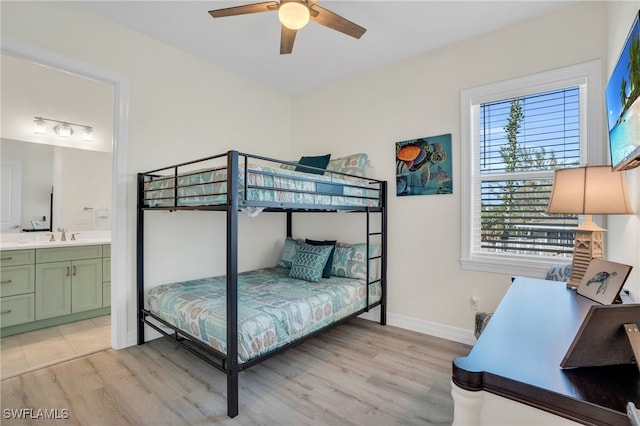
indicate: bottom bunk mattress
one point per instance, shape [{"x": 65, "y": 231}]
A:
[{"x": 273, "y": 309}]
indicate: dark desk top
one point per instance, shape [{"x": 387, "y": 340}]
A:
[{"x": 518, "y": 357}]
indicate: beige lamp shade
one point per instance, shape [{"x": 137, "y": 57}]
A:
[
  {"x": 590, "y": 190},
  {"x": 587, "y": 191}
]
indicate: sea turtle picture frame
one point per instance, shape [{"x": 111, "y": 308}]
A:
[
  {"x": 424, "y": 166},
  {"x": 603, "y": 280}
]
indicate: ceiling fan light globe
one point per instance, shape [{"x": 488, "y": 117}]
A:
[{"x": 293, "y": 15}]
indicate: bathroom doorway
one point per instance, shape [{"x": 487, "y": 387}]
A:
[{"x": 94, "y": 333}]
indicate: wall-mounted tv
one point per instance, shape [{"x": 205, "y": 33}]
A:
[{"x": 623, "y": 104}]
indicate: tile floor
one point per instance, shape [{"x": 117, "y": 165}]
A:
[{"x": 41, "y": 348}]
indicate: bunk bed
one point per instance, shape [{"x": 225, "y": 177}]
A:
[{"x": 203, "y": 315}]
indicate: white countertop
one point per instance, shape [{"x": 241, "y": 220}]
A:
[{"x": 33, "y": 240}]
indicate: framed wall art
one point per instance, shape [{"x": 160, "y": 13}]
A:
[{"x": 424, "y": 166}]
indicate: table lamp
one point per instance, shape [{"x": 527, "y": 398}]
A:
[{"x": 587, "y": 191}]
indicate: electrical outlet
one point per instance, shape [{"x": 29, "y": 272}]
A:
[{"x": 475, "y": 300}]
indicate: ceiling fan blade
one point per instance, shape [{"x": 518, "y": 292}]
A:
[
  {"x": 266, "y": 6},
  {"x": 334, "y": 21},
  {"x": 287, "y": 38}
]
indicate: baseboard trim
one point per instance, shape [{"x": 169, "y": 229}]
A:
[{"x": 431, "y": 328}]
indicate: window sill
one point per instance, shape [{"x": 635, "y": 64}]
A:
[{"x": 512, "y": 265}]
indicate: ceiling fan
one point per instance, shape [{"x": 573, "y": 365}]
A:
[{"x": 295, "y": 14}]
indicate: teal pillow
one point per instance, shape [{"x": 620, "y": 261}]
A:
[
  {"x": 326, "y": 271},
  {"x": 319, "y": 162},
  {"x": 289, "y": 252},
  {"x": 350, "y": 260},
  {"x": 309, "y": 262}
]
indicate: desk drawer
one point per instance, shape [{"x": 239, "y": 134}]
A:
[
  {"x": 17, "y": 280},
  {"x": 17, "y": 257},
  {"x": 16, "y": 310}
]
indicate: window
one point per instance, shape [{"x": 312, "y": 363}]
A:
[{"x": 516, "y": 133}]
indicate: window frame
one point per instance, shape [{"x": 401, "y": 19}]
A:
[{"x": 588, "y": 77}]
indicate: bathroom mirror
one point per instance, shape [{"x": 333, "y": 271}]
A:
[{"x": 80, "y": 181}]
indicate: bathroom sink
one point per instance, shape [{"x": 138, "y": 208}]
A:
[{"x": 21, "y": 241}]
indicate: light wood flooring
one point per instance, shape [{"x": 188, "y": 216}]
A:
[
  {"x": 359, "y": 373},
  {"x": 36, "y": 349}
]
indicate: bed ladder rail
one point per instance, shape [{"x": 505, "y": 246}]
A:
[{"x": 380, "y": 258}]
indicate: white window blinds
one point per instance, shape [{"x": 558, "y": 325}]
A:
[{"x": 521, "y": 142}]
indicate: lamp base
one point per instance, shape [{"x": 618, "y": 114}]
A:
[{"x": 589, "y": 244}]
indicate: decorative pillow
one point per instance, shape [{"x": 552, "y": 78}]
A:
[
  {"x": 289, "y": 251},
  {"x": 319, "y": 162},
  {"x": 354, "y": 164},
  {"x": 309, "y": 262},
  {"x": 559, "y": 272},
  {"x": 326, "y": 271},
  {"x": 350, "y": 260},
  {"x": 288, "y": 166}
]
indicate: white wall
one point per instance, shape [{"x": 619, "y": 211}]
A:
[
  {"x": 180, "y": 108},
  {"x": 623, "y": 237},
  {"x": 420, "y": 97}
]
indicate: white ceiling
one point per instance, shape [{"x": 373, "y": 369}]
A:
[{"x": 249, "y": 44}]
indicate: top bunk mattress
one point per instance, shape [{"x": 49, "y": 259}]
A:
[
  {"x": 273, "y": 309},
  {"x": 264, "y": 184}
]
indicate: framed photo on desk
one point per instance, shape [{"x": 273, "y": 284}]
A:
[{"x": 603, "y": 280}]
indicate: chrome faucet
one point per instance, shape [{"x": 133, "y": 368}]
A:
[{"x": 64, "y": 235}]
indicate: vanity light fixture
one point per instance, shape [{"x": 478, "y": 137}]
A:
[
  {"x": 64, "y": 129},
  {"x": 87, "y": 134},
  {"x": 39, "y": 126}
]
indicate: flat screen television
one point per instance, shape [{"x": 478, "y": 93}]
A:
[{"x": 623, "y": 104}]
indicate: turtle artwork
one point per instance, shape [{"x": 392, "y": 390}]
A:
[
  {"x": 602, "y": 279},
  {"x": 423, "y": 166}
]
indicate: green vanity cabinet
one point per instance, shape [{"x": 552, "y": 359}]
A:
[
  {"x": 17, "y": 282},
  {"x": 50, "y": 286},
  {"x": 68, "y": 287},
  {"x": 53, "y": 289},
  {"x": 106, "y": 275},
  {"x": 16, "y": 310},
  {"x": 86, "y": 285},
  {"x": 71, "y": 284}
]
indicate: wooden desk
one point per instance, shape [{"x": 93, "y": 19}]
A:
[{"x": 518, "y": 357}]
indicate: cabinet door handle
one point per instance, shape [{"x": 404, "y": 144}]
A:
[
  {"x": 74, "y": 270},
  {"x": 67, "y": 271},
  {"x": 8, "y": 311},
  {"x": 6, "y": 282},
  {"x": 6, "y": 258}
]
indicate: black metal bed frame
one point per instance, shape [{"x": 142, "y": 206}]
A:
[{"x": 228, "y": 363}]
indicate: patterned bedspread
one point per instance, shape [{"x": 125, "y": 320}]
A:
[
  {"x": 273, "y": 309},
  {"x": 209, "y": 187}
]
